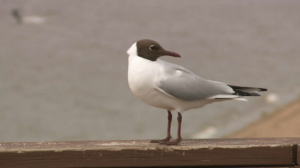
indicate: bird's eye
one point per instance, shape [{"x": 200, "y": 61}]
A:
[{"x": 152, "y": 47}]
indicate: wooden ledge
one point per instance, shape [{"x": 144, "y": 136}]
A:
[{"x": 137, "y": 153}]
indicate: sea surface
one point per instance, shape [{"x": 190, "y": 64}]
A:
[{"x": 63, "y": 68}]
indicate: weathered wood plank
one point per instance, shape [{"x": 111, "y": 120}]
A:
[
  {"x": 207, "y": 152},
  {"x": 298, "y": 154}
]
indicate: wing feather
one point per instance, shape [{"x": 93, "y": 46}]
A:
[{"x": 183, "y": 84}]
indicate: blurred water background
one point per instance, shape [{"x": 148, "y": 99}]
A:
[{"x": 63, "y": 70}]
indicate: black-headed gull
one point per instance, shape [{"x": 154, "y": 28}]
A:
[{"x": 172, "y": 87}]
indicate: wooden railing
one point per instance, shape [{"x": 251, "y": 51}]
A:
[{"x": 273, "y": 152}]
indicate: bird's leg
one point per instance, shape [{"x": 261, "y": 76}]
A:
[
  {"x": 178, "y": 139},
  {"x": 167, "y": 139}
]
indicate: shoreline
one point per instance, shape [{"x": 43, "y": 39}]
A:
[{"x": 285, "y": 122}]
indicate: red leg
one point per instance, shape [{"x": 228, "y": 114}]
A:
[
  {"x": 178, "y": 139},
  {"x": 167, "y": 139}
]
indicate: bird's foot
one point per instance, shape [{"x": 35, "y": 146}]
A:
[
  {"x": 174, "y": 142},
  {"x": 162, "y": 141}
]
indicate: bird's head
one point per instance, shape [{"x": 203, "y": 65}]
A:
[{"x": 150, "y": 50}]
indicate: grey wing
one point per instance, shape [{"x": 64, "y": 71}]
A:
[{"x": 185, "y": 85}]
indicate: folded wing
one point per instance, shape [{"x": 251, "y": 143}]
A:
[{"x": 185, "y": 85}]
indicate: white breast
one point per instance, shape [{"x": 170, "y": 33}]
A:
[{"x": 142, "y": 75}]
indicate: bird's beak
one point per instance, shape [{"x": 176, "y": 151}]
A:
[{"x": 170, "y": 53}]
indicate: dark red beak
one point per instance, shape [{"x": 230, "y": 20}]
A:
[{"x": 170, "y": 53}]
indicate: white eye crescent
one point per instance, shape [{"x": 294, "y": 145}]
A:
[{"x": 152, "y": 47}]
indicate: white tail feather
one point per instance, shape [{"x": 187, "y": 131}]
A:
[
  {"x": 241, "y": 99},
  {"x": 236, "y": 97}
]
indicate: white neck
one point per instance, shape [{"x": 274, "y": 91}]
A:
[{"x": 132, "y": 50}]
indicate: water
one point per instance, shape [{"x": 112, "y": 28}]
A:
[{"x": 63, "y": 72}]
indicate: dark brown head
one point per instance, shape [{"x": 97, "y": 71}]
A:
[{"x": 151, "y": 50}]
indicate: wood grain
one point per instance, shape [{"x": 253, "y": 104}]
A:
[{"x": 138, "y": 153}]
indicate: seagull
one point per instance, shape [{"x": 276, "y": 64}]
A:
[
  {"x": 16, "y": 14},
  {"x": 172, "y": 87}
]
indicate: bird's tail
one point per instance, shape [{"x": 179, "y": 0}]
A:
[
  {"x": 239, "y": 93},
  {"x": 246, "y": 91}
]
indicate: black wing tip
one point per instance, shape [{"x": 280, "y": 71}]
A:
[
  {"x": 255, "y": 94},
  {"x": 240, "y": 93},
  {"x": 263, "y": 89},
  {"x": 242, "y": 87}
]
